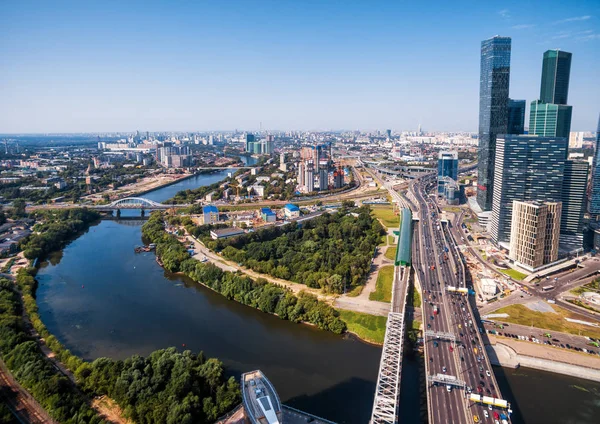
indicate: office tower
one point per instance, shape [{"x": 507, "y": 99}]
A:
[
  {"x": 516, "y": 117},
  {"x": 526, "y": 168},
  {"x": 249, "y": 143},
  {"x": 269, "y": 147},
  {"x": 573, "y": 198},
  {"x": 595, "y": 195},
  {"x": 556, "y": 69},
  {"x": 389, "y": 134},
  {"x": 447, "y": 167},
  {"x": 338, "y": 178},
  {"x": 550, "y": 116},
  {"x": 323, "y": 179},
  {"x": 534, "y": 235},
  {"x": 309, "y": 178},
  {"x": 550, "y": 120},
  {"x": 493, "y": 111},
  {"x": 301, "y": 169},
  {"x": 257, "y": 147}
]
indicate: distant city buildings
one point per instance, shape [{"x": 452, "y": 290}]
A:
[
  {"x": 493, "y": 111},
  {"x": 595, "y": 189}
]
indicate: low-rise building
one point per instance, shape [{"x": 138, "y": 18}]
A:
[
  {"x": 268, "y": 215},
  {"x": 291, "y": 211},
  {"x": 210, "y": 214},
  {"x": 258, "y": 189},
  {"x": 225, "y": 233},
  {"x": 489, "y": 286}
]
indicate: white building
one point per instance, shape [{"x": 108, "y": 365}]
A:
[{"x": 489, "y": 286}]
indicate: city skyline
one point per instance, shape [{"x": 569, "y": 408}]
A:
[{"x": 89, "y": 68}]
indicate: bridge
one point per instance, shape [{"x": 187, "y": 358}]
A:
[
  {"x": 387, "y": 392},
  {"x": 136, "y": 203}
]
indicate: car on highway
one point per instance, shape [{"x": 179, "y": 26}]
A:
[
  {"x": 485, "y": 414},
  {"x": 487, "y": 372},
  {"x": 475, "y": 419},
  {"x": 448, "y": 388},
  {"x": 444, "y": 370}
]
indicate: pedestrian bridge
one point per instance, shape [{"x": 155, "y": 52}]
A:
[{"x": 136, "y": 203}]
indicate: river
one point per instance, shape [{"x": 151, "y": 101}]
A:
[{"x": 101, "y": 299}]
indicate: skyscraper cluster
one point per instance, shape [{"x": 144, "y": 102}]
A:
[
  {"x": 526, "y": 180},
  {"x": 260, "y": 147},
  {"x": 316, "y": 164}
]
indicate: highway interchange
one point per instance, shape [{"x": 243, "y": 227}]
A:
[{"x": 460, "y": 352}]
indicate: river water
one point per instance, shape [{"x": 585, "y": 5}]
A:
[{"x": 101, "y": 299}]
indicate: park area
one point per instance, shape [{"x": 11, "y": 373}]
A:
[
  {"x": 386, "y": 215},
  {"x": 383, "y": 287},
  {"x": 368, "y": 327},
  {"x": 513, "y": 273}
]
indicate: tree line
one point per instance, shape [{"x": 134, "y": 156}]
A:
[
  {"x": 329, "y": 252},
  {"x": 258, "y": 294},
  {"x": 54, "y": 229},
  {"x": 166, "y": 387}
]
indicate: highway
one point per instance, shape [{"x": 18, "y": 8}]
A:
[{"x": 454, "y": 353}]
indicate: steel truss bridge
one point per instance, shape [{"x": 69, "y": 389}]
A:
[{"x": 136, "y": 203}]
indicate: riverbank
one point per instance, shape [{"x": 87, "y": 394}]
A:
[{"x": 511, "y": 353}]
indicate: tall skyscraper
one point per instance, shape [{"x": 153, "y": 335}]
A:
[
  {"x": 526, "y": 168},
  {"x": 595, "y": 195},
  {"x": 550, "y": 116},
  {"x": 556, "y": 70},
  {"x": 447, "y": 167},
  {"x": 309, "y": 178},
  {"x": 323, "y": 179},
  {"x": 301, "y": 170},
  {"x": 249, "y": 143},
  {"x": 516, "y": 117},
  {"x": 549, "y": 119},
  {"x": 493, "y": 111},
  {"x": 534, "y": 233},
  {"x": 573, "y": 198}
]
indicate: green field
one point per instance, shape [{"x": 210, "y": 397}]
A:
[
  {"x": 390, "y": 253},
  {"x": 368, "y": 327},
  {"x": 513, "y": 273},
  {"x": 385, "y": 213},
  {"x": 383, "y": 290},
  {"x": 520, "y": 314},
  {"x": 416, "y": 300}
]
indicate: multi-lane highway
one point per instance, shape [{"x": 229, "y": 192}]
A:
[{"x": 456, "y": 363}]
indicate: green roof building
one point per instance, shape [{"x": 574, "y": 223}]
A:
[{"x": 550, "y": 119}]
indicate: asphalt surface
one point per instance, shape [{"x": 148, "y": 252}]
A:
[{"x": 464, "y": 358}]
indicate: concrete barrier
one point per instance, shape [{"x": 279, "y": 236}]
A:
[{"x": 503, "y": 355}]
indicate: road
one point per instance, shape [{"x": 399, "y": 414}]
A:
[{"x": 455, "y": 348}]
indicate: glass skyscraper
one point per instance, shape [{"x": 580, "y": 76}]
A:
[
  {"x": 573, "y": 197},
  {"x": 516, "y": 116},
  {"x": 447, "y": 167},
  {"x": 526, "y": 168},
  {"x": 556, "y": 70},
  {"x": 549, "y": 119},
  {"x": 595, "y": 196},
  {"x": 493, "y": 111}
]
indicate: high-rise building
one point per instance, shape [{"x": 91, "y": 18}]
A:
[
  {"x": 550, "y": 116},
  {"x": 301, "y": 170},
  {"x": 573, "y": 198},
  {"x": 493, "y": 111},
  {"x": 549, "y": 119},
  {"x": 447, "y": 167},
  {"x": 323, "y": 179},
  {"x": 526, "y": 168},
  {"x": 309, "y": 178},
  {"x": 576, "y": 140},
  {"x": 556, "y": 69},
  {"x": 534, "y": 235},
  {"x": 516, "y": 117},
  {"x": 249, "y": 142},
  {"x": 389, "y": 134},
  {"x": 595, "y": 195},
  {"x": 338, "y": 178},
  {"x": 269, "y": 146}
]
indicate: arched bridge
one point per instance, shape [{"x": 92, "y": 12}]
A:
[{"x": 136, "y": 203}]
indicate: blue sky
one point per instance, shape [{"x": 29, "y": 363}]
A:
[{"x": 208, "y": 65}]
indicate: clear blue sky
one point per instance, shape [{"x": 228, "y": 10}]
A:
[{"x": 200, "y": 65}]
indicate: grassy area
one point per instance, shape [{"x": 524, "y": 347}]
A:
[
  {"x": 416, "y": 299},
  {"x": 582, "y": 305},
  {"x": 520, "y": 314},
  {"x": 383, "y": 290},
  {"x": 385, "y": 213},
  {"x": 451, "y": 208},
  {"x": 355, "y": 291},
  {"x": 390, "y": 253},
  {"x": 368, "y": 327},
  {"x": 513, "y": 273},
  {"x": 391, "y": 240}
]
